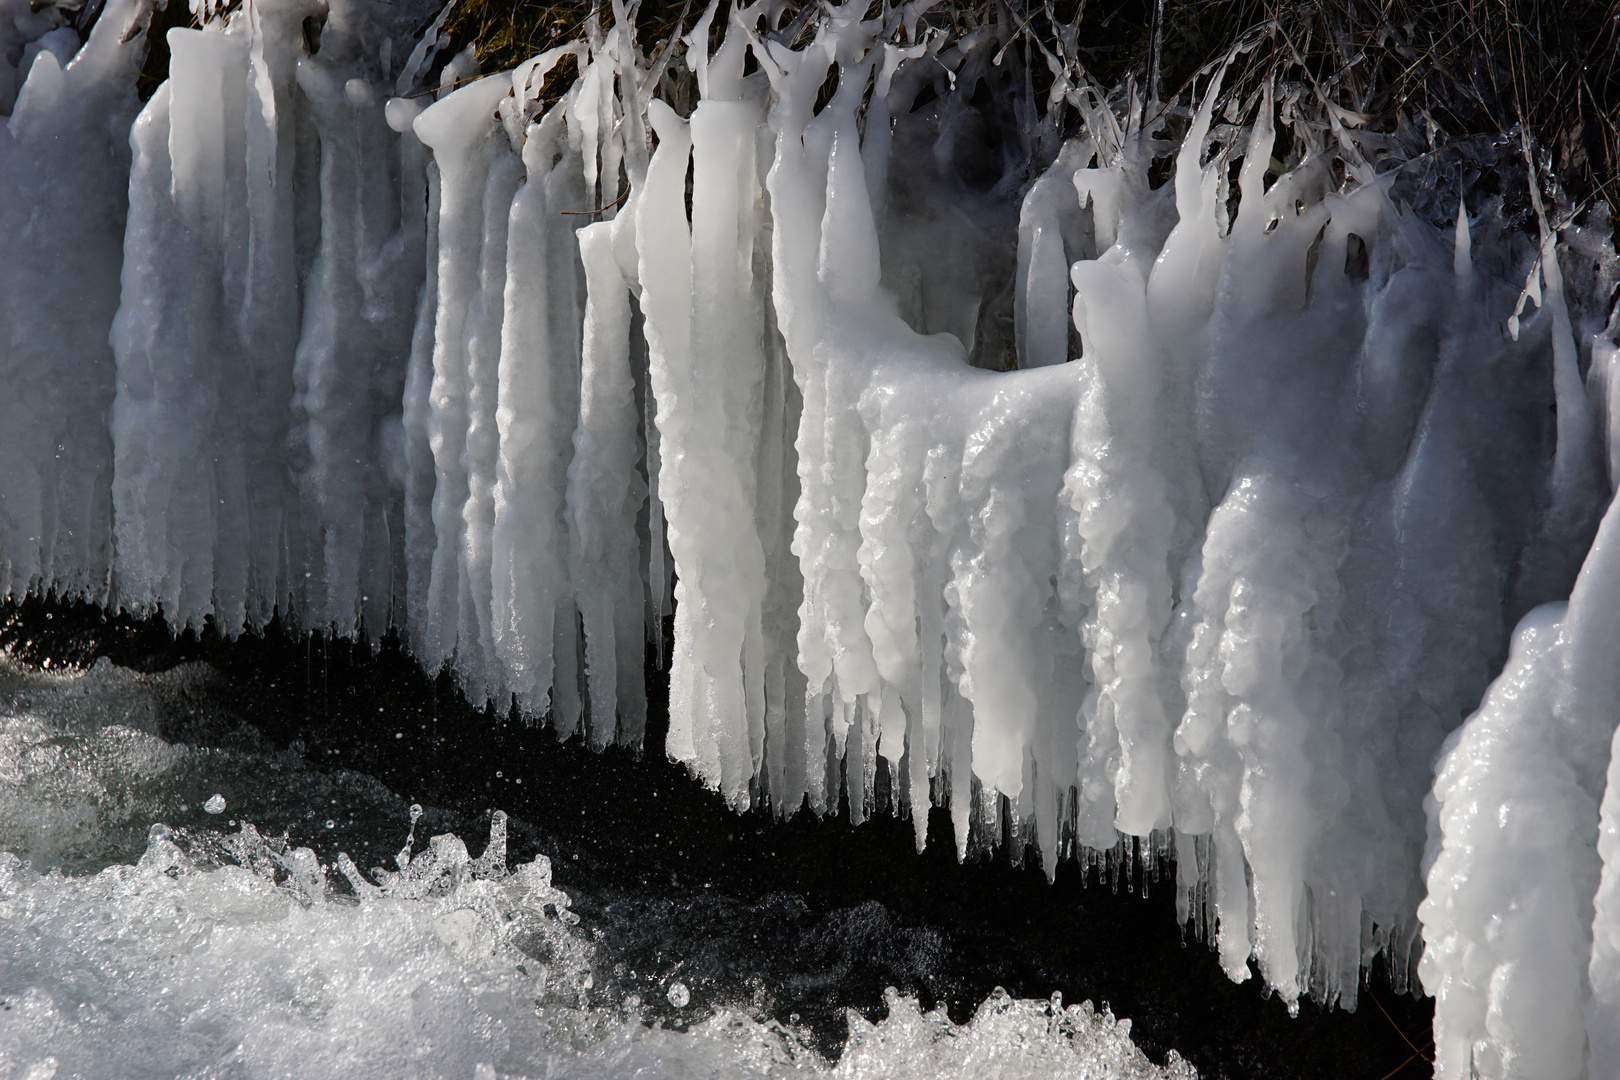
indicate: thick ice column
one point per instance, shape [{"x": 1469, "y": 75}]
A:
[
  {"x": 1255, "y": 697},
  {"x": 461, "y": 131},
  {"x": 1603, "y": 972},
  {"x": 352, "y": 353},
  {"x": 532, "y": 598},
  {"x": 605, "y": 493},
  {"x": 1003, "y": 565},
  {"x": 1515, "y": 845},
  {"x": 664, "y": 251},
  {"x": 205, "y": 335},
  {"x": 476, "y": 662},
  {"x": 266, "y": 318},
  {"x": 727, "y": 382},
  {"x": 707, "y": 389},
  {"x": 834, "y": 367},
  {"x": 892, "y": 514},
  {"x": 64, "y": 171},
  {"x": 835, "y": 603},
  {"x": 177, "y": 457},
  {"x": 797, "y": 196},
  {"x": 1125, "y": 524}
]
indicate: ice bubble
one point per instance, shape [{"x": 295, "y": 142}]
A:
[
  {"x": 679, "y": 995},
  {"x": 215, "y": 804}
]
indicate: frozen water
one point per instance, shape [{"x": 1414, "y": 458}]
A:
[
  {"x": 983, "y": 469},
  {"x": 64, "y": 169}
]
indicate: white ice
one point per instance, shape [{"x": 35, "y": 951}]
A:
[{"x": 1114, "y": 518}]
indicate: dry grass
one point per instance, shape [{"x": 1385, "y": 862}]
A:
[
  {"x": 504, "y": 33},
  {"x": 1453, "y": 70},
  {"x": 1460, "y": 69}
]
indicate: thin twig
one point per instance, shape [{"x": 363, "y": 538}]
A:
[
  {"x": 599, "y": 209},
  {"x": 1398, "y": 1030}
]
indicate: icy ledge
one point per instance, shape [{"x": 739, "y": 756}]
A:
[{"x": 1223, "y": 581}]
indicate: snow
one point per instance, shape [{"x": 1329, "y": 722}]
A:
[{"x": 1115, "y": 518}]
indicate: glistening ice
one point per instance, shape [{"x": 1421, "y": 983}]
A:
[{"x": 1170, "y": 489}]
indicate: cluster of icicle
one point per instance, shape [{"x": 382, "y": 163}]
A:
[{"x": 1217, "y": 565}]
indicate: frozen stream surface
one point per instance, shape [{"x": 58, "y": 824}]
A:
[{"x": 133, "y": 948}]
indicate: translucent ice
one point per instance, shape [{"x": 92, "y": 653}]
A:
[
  {"x": 64, "y": 171},
  {"x": 990, "y": 472}
]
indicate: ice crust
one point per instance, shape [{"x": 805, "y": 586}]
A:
[{"x": 1116, "y": 518}]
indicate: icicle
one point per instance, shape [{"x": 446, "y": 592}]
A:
[
  {"x": 457, "y": 129},
  {"x": 350, "y": 371},
  {"x": 264, "y": 534},
  {"x": 1049, "y": 227},
  {"x": 416, "y": 467},
  {"x": 1233, "y": 566},
  {"x": 1125, "y": 525},
  {"x": 178, "y": 479},
  {"x": 604, "y": 495},
  {"x": 537, "y": 390},
  {"x": 665, "y": 270},
  {"x": 62, "y": 224},
  {"x": 476, "y": 663}
]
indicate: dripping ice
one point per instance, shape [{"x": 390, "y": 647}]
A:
[{"x": 1109, "y": 516}]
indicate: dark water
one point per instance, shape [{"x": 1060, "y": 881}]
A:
[{"x": 794, "y": 921}]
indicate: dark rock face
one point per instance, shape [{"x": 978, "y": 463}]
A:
[{"x": 797, "y": 920}]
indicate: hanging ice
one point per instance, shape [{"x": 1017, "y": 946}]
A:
[
  {"x": 64, "y": 168},
  {"x": 1110, "y": 514}
]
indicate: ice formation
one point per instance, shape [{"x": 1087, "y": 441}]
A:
[
  {"x": 982, "y": 468},
  {"x": 64, "y": 172}
]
